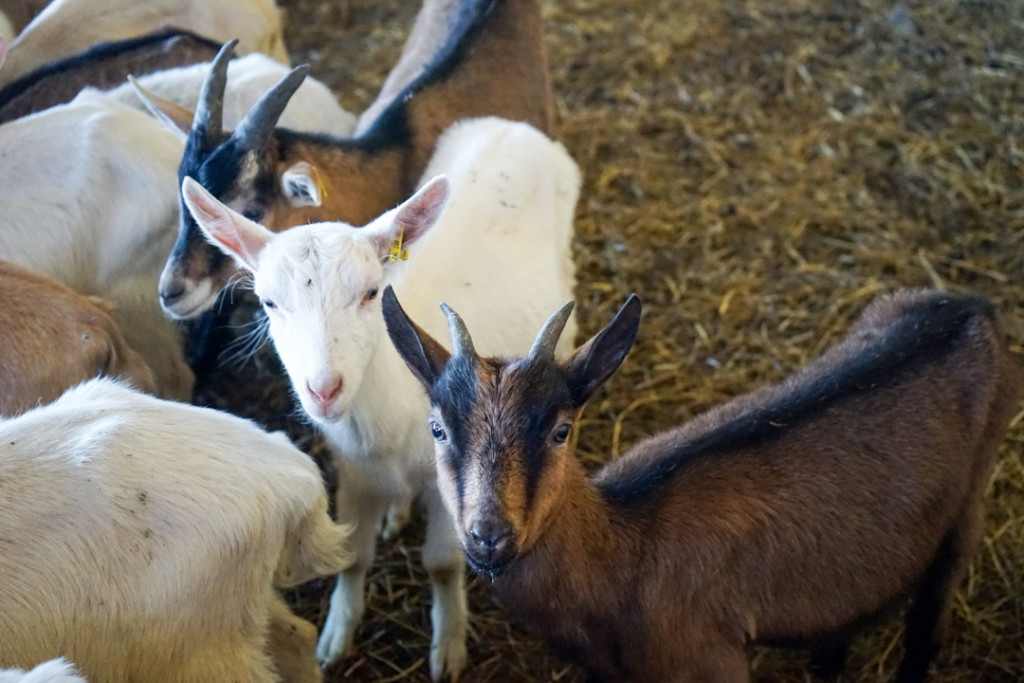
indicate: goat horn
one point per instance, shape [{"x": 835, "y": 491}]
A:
[
  {"x": 254, "y": 130},
  {"x": 462, "y": 343},
  {"x": 544, "y": 347},
  {"x": 209, "y": 117}
]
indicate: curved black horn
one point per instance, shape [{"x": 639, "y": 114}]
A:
[
  {"x": 209, "y": 117},
  {"x": 544, "y": 346},
  {"x": 254, "y": 130},
  {"x": 462, "y": 343}
]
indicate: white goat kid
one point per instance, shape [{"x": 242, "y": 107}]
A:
[
  {"x": 504, "y": 237},
  {"x": 54, "y": 671},
  {"x": 143, "y": 540}
]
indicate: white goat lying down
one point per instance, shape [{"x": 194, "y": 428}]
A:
[
  {"x": 53, "y": 671},
  {"x": 143, "y": 539},
  {"x": 313, "y": 107},
  {"x": 504, "y": 237},
  {"x": 69, "y": 26}
]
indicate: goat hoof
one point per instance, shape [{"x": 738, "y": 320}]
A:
[
  {"x": 448, "y": 661},
  {"x": 336, "y": 643}
]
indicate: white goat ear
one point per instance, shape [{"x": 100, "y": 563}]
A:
[
  {"x": 413, "y": 218},
  {"x": 233, "y": 233},
  {"x": 302, "y": 186},
  {"x": 177, "y": 118}
]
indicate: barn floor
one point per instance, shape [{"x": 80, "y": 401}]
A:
[{"x": 757, "y": 172}]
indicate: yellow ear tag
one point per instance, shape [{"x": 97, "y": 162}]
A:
[
  {"x": 319, "y": 183},
  {"x": 396, "y": 253}
]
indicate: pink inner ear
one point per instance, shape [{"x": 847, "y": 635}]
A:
[
  {"x": 235, "y": 234},
  {"x": 421, "y": 212}
]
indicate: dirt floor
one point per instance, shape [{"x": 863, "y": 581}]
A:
[{"x": 757, "y": 171}]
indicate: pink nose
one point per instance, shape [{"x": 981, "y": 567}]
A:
[{"x": 326, "y": 393}]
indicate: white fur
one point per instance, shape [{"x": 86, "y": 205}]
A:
[
  {"x": 500, "y": 255},
  {"x": 69, "y": 26},
  {"x": 143, "y": 540},
  {"x": 54, "y": 671},
  {"x": 312, "y": 108}
]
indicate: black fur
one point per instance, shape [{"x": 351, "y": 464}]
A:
[
  {"x": 454, "y": 393},
  {"x": 930, "y": 329}
]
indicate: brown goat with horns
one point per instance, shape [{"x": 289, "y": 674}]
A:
[{"x": 795, "y": 515}]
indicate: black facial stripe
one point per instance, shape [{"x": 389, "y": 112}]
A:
[{"x": 454, "y": 394}]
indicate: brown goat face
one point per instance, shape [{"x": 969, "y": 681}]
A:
[{"x": 501, "y": 435}]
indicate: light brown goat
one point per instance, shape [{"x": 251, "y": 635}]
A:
[
  {"x": 54, "y": 338},
  {"x": 793, "y": 516}
]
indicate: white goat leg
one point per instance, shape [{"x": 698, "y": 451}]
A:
[{"x": 444, "y": 562}]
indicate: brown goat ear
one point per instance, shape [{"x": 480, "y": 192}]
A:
[
  {"x": 175, "y": 117},
  {"x": 421, "y": 352},
  {"x": 594, "y": 362},
  {"x": 231, "y": 232}
]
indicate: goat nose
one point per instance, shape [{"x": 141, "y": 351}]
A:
[
  {"x": 172, "y": 293},
  {"x": 326, "y": 392},
  {"x": 490, "y": 534}
]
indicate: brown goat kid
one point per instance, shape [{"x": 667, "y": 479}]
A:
[
  {"x": 54, "y": 338},
  {"x": 795, "y": 515}
]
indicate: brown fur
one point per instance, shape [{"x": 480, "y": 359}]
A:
[
  {"x": 778, "y": 539},
  {"x": 54, "y": 338},
  {"x": 59, "y": 85}
]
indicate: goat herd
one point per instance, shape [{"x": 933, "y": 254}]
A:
[{"x": 144, "y": 539}]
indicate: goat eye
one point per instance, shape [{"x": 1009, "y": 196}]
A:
[
  {"x": 561, "y": 433},
  {"x": 269, "y": 305},
  {"x": 439, "y": 434},
  {"x": 370, "y": 295},
  {"x": 254, "y": 213}
]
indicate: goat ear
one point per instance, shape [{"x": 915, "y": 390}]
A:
[
  {"x": 233, "y": 233},
  {"x": 301, "y": 185},
  {"x": 414, "y": 217},
  {"x": 421, "y": 352},
  {"x": 3, "y": 51},
  {"x": 594, "y": 362},
  {"x": 177, "y": 118}
]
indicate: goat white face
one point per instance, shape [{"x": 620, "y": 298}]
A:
[{"x": 319, "y": 285}]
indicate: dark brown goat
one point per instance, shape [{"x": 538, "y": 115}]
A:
[
  {"x": 489, "y": 61},
  {"x": 795, "y": 515},
  {"x": 102, "y": 66}
]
